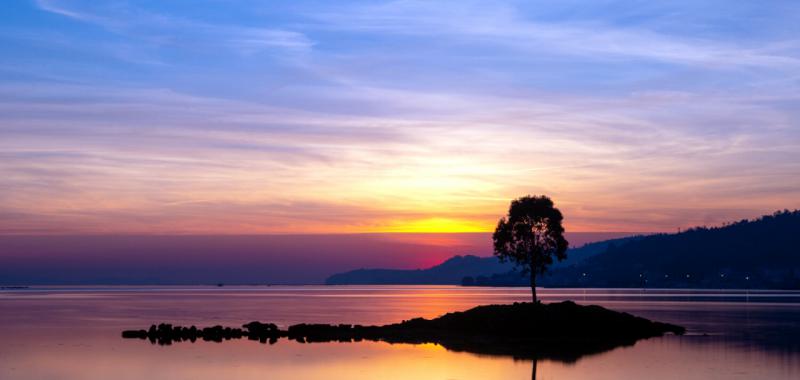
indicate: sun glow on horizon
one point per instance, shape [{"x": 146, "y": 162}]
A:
[
  {"x": 437, "y": 225},
  {"x": 335, "y": 118}
]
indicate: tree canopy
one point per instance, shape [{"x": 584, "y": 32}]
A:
[{"x": 531, "y": 236}]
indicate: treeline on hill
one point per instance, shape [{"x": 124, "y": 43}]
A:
[{"x": 759, "y": 253}]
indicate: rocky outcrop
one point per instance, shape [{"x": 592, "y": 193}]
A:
[{"x": 525, "y": 330}]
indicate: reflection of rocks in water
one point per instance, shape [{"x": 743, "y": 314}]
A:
[
  {"x": 563, "y": 331},
  {"x": 165, "y": 334}
]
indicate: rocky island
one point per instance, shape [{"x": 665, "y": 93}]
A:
[{"x": 562, "y": 330}]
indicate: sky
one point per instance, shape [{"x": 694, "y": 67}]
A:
[
  {"x": 210, "y": 117},
  {"x": 231, "y": 117}
]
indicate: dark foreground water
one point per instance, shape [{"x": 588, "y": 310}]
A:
[{"x": 74, "y": 333}]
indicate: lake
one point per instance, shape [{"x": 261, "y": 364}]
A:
[{"x": 74, "y": 333}]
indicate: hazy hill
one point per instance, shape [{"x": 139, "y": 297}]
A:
[
  {"x": 448, "y": 272},
  {"x": 455, "y": 269},
  {"x": 759, "y": 253}
]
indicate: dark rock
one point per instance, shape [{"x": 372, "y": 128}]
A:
[{"x": 562, "y": 331}]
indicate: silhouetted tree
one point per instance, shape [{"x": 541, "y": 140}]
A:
[{"x": 530, "y": 236}]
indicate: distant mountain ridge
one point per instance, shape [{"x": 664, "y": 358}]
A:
[
  {"x": 455, "y": 269},
  {"x": 757, "y": 253},
  {"x": 449, "y": 272}
]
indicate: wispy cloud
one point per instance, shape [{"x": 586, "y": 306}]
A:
[
  {"x": 162, "y": 144},
  {"x": 397, "y": 111},
  {"x": 503, "y": 25},
  {"x": 57, "y": 8},
  {"x": 164, "y": 29}
]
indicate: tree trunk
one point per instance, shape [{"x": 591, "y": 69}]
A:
[{"x": 533, "y": 285}]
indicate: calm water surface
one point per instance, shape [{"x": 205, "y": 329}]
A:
[{"x": 73, "y": 333}]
